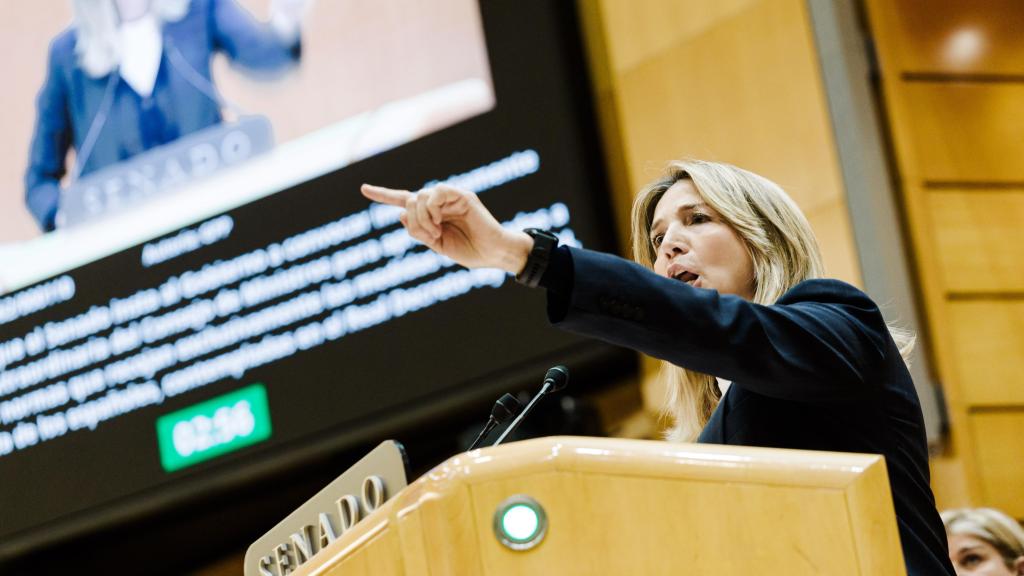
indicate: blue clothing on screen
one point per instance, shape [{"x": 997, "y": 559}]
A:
[
  {"x": 818, "y": 370},
  {"x": 182, "y": 101}
]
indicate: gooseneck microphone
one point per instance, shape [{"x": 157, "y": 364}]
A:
[
  {"x": 506, "y": 407},
  {"x": 554, "y": 380}
]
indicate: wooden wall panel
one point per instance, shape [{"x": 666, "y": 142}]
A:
[
  {"x": 642, "y": 29},
  {"x": 953, "y": 83},
  {"x": 978, "y": 239},
  {"x": 832, "y": 228},
  {"x": 999, "y": 444},
  {"x": 758, "y": 103},
  {"x": 988, "y": 343},
  {"x": 955, "y": 36},
  {"x": 966, "y": 131}
]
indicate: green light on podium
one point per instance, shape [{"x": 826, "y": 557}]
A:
[
  {"x": 520, "y": 522},
  {"x": 213, "y": 428}
]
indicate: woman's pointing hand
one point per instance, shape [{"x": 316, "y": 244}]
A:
[{"x": 456, "y": 224}]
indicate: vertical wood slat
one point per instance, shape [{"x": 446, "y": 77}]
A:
[
  {"x": 966, "y": 131},
  {"x": 999, "y": 444},
  {"x": 978, "y": 237},
  {"x": 953, "y": 36},
  {"x": 988, "y": 343},
  {"x": 958, "y": 132}
]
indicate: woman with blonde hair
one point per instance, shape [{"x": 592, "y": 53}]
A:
[
  {"x": 758, "y": 349},
  {"x": 984, "y": 542}
]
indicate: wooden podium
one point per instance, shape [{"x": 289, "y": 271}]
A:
[{"x": 628, "y": 507}]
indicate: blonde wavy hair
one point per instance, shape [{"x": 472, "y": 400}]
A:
[
  {"x": 990, "y": 525},
  {"x": 781, "y": 245}
]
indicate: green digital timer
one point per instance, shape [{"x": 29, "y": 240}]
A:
[{"x": 213, "y": 428}]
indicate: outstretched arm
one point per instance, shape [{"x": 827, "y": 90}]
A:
[
  {"x": 824, "y": 340},
  {"x": 253, "y": 44}
]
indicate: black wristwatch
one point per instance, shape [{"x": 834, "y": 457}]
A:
[{"x": 537, "y": 262}]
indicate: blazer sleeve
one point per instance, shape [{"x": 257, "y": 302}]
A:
[
  {"x": 51, "y": 141},
  {"x": 248, "y": 42},
  {"x": 824, "y": 340}
]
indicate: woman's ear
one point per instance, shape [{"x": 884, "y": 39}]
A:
[{"x": 1018, "y": 566}]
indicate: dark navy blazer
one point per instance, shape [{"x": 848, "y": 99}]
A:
[{"x": 818, "y": 370}]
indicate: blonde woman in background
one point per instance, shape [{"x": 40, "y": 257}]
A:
[
  {"x": 984, "y": 542},
  {"x": 758, "y": 349}
]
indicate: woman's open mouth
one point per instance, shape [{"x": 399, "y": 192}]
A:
[{"x": 687, "y": 277}]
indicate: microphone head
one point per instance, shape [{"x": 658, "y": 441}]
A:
[
  {"x": 556, "y": 378},
  {"x": 506, "y": 407}
]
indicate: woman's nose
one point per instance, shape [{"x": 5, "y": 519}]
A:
[{"x": 675, "y": 243}]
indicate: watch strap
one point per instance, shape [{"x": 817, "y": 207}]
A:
[{"x": 544, "y": 242}]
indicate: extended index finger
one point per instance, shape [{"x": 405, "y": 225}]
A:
[{"x": 385, "y": 195}]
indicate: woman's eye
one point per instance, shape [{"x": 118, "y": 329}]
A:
[
  {"x": 699, "y": 218},
  {"x": 970, "y": 560}
]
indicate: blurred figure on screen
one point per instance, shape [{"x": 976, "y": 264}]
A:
[
  {"x": 984, "y": 542},
  {"x": 131, "y": 75}
]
